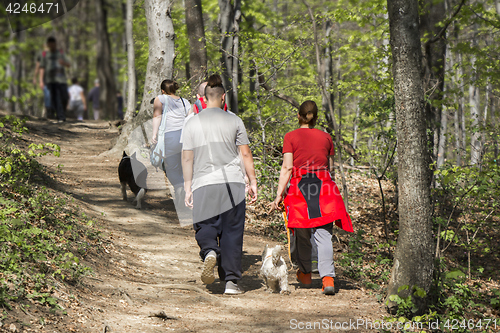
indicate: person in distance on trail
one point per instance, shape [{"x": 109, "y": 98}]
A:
[
  {"x": 48, "y": 111},
  {"x": 77, "y": 102},
  {"x": 52, "y": 72},
  {"x": 94, "y": 98},
  {"x": 215, "y": 145},
  {"x": 313, "y": 201}
]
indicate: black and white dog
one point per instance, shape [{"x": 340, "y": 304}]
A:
[{"x": 128, "y": 167}]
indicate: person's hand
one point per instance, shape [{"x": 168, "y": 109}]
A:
[
  {"x": 252, "y": 192},
  {"x": 275, "y": 205},
  {"x": 188, "y": 200},
  {"x": 41, "y": 85},
  {"x": 154, "y": 141}
]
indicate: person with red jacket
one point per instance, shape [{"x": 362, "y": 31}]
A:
[
  {"x": 313, "y": 201},
  {"x": 200, "y": 103}
]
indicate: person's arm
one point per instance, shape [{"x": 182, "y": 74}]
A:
[
  {"x": 246, "y": 156},
  {"x": 37, "y": 68},
  {"x": 84, "y": 101},
  {"x": 331, "y": 166},
  {"x": 63, "y": 61},
  {"x": 285, "y": 173},
  {"x": 40, "y": 77},
  {"x": 157, "y": 110},
  {"x": 187, "y": 171}
]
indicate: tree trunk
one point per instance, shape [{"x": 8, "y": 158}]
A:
[
  {"x": 462, "y": 113},
  {"x": 457, "y": 117},
  {"x": 229, "y": 16},
  {"x": 444, "y": 116},
  {"x": 160, "y": 63},
  {"x": 236, "y": 60},
  {"x": 475, "y": 140},
  {"x": 434, "y": 13},
  {"x": 131, "y": 82},
  {"x": 107, "y": 90},
  {"x": 355, "y": 130},
  {"x": 458, "y": 135},
  {"x": 326, "y": 73},
  {"x": 196, "y": 35},
  {"x": 413, "y": 261}
]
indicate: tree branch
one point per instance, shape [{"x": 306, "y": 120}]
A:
[
  {"x": 290, "y": 100},
  {"x": 447, "y": 24}
]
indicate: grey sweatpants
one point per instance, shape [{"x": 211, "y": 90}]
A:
[{"x": 323, "y": 237}]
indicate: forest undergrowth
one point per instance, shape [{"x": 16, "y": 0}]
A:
[{"x": 44, "y": 236}]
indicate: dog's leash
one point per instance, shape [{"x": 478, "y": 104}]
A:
[{"x": 283, "y": 211}]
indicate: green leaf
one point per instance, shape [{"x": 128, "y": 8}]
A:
[
  {"x": 455, "y": 274},
  {"x": 405, "y": 287}
]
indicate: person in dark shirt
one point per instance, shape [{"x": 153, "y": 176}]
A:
[
  {"x": 94, "y": 99},
  {"x": 52, "y": 75}
]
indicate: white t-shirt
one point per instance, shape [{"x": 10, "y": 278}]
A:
[
  {"x": 174, "y": 113},
  {"x": 75, "y": 92}
]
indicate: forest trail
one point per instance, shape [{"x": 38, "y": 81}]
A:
[{"x": 151, "y": 263}]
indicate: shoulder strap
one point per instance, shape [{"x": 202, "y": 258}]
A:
[{"x": 185, "y": 111}]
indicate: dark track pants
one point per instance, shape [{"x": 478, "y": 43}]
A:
[
  {"x": 323, "y": 237},
  {"x": 222, "y": 233},
  {"x": 59, "y": 98}
]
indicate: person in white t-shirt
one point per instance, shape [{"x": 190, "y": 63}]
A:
[
  {"x": 77, "y": 102},
  {"x": 169, "y": 114}
]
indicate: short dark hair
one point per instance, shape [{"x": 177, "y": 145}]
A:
[
  {"x": 74, "y": 80},
  {"x": 215, "y": 88},
  {"x": 169, "y": 86},
  {"x": 51, "y": 39}
]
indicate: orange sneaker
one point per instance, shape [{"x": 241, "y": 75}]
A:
[
  {"x": 328, "y": 286},
  {"x": 304, "y": 279}
]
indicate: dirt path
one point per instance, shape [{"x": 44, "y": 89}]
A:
[{"x": 153, "y": 263}]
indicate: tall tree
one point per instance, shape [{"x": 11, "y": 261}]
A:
[
  {"x": 160, "y": 63},
  {"x": 131, "y": 82},
  {"x": 413, "y": 262},
  {"x": 107, "y": 90},
  {"x": 444, "y": 115},
  {"x": 230, "y": 17},
  {"x": 196, "y": 35},
  {"x": 475, "y": 140},
  {"x": 326, "y": 73},
  {"x": 434, "y": 24}
]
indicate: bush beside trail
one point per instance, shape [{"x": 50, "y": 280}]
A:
[{"x": 43, "y": 235}]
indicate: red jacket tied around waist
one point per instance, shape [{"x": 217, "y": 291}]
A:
[{"x": 313, "y": 200}]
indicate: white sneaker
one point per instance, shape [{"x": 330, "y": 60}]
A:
[
  {"x": 207, "y": 275},
  {"x": 232, "y": 289}
]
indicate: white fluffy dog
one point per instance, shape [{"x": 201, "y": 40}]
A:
[{"x": 273, "y": 270}]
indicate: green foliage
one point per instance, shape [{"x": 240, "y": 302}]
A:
[
  {"x": 357, "y": 264},
  {"x": 405, "y": 304},
  {"x": 41, "y": 238}
]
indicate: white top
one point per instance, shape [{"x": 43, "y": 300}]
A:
[
  {"x": 174, "y": 113},
  {"x": 75, "y": 92}
]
